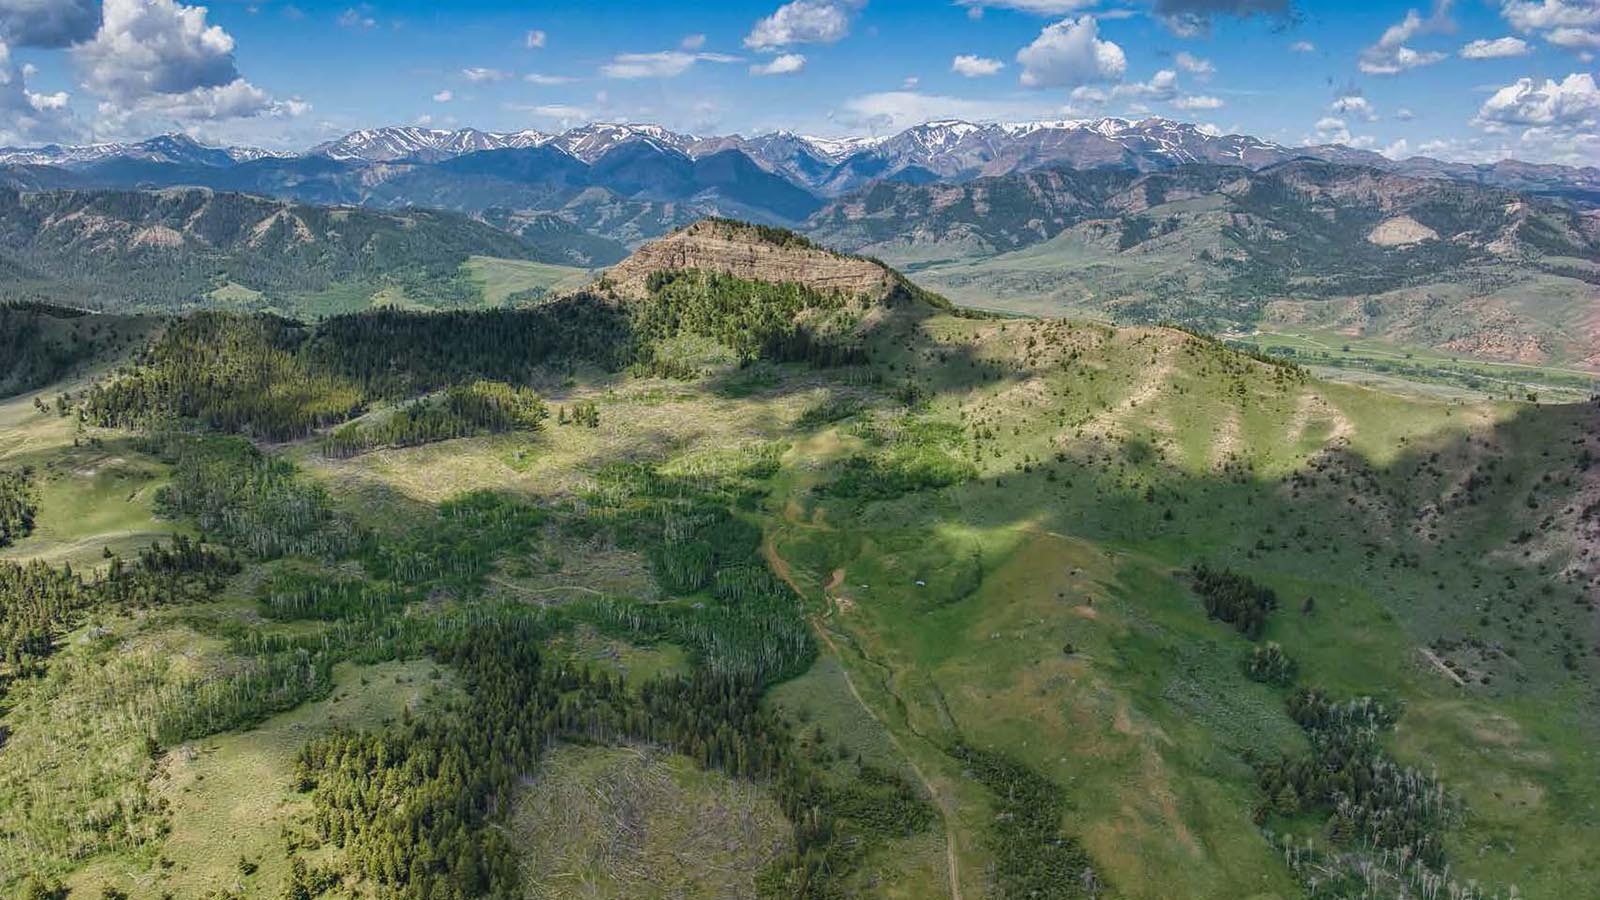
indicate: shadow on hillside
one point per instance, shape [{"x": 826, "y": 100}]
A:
[{"x": 1484, "y": 545}]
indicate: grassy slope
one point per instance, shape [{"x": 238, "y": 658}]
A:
[
  {"x": 230, "y": 796},
  {"x": 500, "y": 278},
  {"x": 1144, "y": 724},
  {"x": 92, "y": 496}
]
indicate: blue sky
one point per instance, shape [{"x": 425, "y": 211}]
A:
[{"x": 1465, "y": 80}]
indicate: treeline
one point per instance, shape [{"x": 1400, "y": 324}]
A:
[
  {"x": 39, "y": 603},
  {"x": 40, "y": 343},
  {"x": 749, "y": 628},
  {"x": 481, "y": 407},
  {"x": 279, "y": 380},
  {"x": 19, "y": 503},
  {"x": 227, "y": 373},
  {"x": 249, "y": 500},
  {"x": 415, "y": 806},
  {"x": 456, "y": 767}
]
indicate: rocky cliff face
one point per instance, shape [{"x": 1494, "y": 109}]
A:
[{"x": 751, "y": 253}]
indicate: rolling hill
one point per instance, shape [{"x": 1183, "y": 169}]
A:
[
  {"x": 186, "y": 248},
  {"x": 872, "y": 599}
]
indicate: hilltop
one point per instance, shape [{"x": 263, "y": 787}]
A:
[{"x": 752, "y": 253}]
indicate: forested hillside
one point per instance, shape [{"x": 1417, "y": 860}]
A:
[
  {"x": 180, "y": 249},
  {"x": 41, "y": 344}
]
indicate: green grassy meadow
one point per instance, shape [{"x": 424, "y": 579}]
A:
[{"x": 499, "y": 279}]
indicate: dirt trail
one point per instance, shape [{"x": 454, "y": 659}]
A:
[
  {"x": 783, "y": 570},
  {"x": 1438, "y": 663}
]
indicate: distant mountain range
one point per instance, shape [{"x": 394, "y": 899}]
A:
[{"x": 631, "y": 182}]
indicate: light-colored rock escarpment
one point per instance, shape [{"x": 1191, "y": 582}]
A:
[
  {"x": 1401, "y": 231},
  {"x": 753, "y": 254}
]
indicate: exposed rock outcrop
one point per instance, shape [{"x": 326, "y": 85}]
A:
[
  {"x": 1401, "y": 231},
  {"x": 752, "y": 253}
]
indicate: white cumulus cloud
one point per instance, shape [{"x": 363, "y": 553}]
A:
[
  {"x": 161, "y": 59},
  {"x": 1194, "y": 102},
  {"x": 785, "y": 64},
  {"x": 1570, "y": 104},
  {"x": 973, "y": 66},
  {"x": 1070, "y": 53},
  {"x": 1391, "y": 56},
  {"x": 1499, "y": 48},
  {"x": 1194, "y": 65},
  {"x": 27, "y": 117},
  {"x": 1162, "y": 86},
  {"x": 1575, "y": 38},
  {"x": 1355, "y": 106},
  {"x": 1545, "y": 15},
  {"x": 804, "y": 22},
  {"x": 661, "y": 64}
]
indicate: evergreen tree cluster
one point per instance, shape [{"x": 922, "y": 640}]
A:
[
  {"x": 250, "y": 500},
  {"x": 40, "y": 343},
  {"x": 19, "y": 503},
  {"x": 279, "y": 380},
  {"x": 749, "y": 626},
  {"x": 1034, "y": 857},
  {"x": 227, "y": 373},
  {"x": 782, "y": 322},
  {"x": 1371, "y": 801},
  {"x": 585, "y": 413},
  {"x": 481, "y": 407},
  {"x": 1235, "y": 599},
  {"x": 1269, "y": 664},
  {"x": 39, "y": 603},
  {"x": 416, "y": 806},
  {"x": 276, "y": 379}
]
